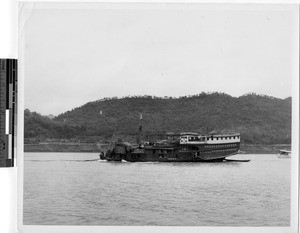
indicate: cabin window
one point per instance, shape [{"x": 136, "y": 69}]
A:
[
  {"x": 217, "y": 138},
  {"x": 193, "y": 139}
]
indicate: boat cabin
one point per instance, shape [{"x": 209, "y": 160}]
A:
[
  {"x": 194, "y": 138},
  {"x": 223, "y": 138},
  {"x": 191, "y": 138}
]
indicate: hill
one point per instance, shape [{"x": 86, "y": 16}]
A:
[{"x": 259, "y": 119}]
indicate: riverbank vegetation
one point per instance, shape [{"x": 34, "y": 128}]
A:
[{"x": 259, "y": 119}]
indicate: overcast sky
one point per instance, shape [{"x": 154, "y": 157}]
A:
[{"x": 74, "y": 55}]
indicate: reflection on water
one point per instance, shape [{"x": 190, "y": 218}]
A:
[{"x": 79, "y": 189}]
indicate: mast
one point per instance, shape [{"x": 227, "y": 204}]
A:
[{"x": 140, "y": 129}]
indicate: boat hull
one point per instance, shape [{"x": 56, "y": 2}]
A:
[
  {"x": 174, "y": 154},
  {"x": 284, "y": 156}
]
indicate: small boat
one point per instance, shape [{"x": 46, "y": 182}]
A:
[
  {"x": 238, "y": 160},
  {"x": 284, "y": 154}
]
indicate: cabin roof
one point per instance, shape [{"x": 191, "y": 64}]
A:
[
  {"x": 224, "y": 135},
  {"x": 189, "y": 134},
  {"x": 213, "y": 133}
]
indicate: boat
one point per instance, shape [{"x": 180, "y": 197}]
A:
[
  {"x": 178, "y": 147},
  {"x": 284, "y": 154}
]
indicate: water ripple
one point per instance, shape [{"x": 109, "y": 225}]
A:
[{"x": 80, "y": 189}]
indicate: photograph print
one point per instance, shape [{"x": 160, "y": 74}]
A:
[{"x": 156, "y": 114}]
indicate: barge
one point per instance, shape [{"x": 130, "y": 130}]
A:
[{"x": 178, "y": 147}]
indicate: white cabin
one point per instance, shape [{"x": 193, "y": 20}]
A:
[
  {"x": 223, "y": 138},
  {"x": 193, "y": 138}
]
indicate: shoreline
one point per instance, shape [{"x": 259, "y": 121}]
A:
[{"x": 98, "y": 147}]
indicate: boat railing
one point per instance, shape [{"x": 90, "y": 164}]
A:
[{"x": 223, "y": 132}]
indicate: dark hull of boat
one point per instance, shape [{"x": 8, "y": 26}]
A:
[
  {"x": 174, "y": 154},
  {"x": 178, "y": 160}
]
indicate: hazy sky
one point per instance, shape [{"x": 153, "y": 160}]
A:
[{"x": 74, "y": 55}]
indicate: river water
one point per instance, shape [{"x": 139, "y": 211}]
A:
[{"x": 78, "y": 189}]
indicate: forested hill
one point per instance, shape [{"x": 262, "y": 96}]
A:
[{"x": 259, "y": 119}]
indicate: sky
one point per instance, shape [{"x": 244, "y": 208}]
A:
[{"x": 74, "y": 54}]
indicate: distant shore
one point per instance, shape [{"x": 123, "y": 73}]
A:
[
  {"x": 97, "y": 147},
  {"x": 263, "y": 149}
]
